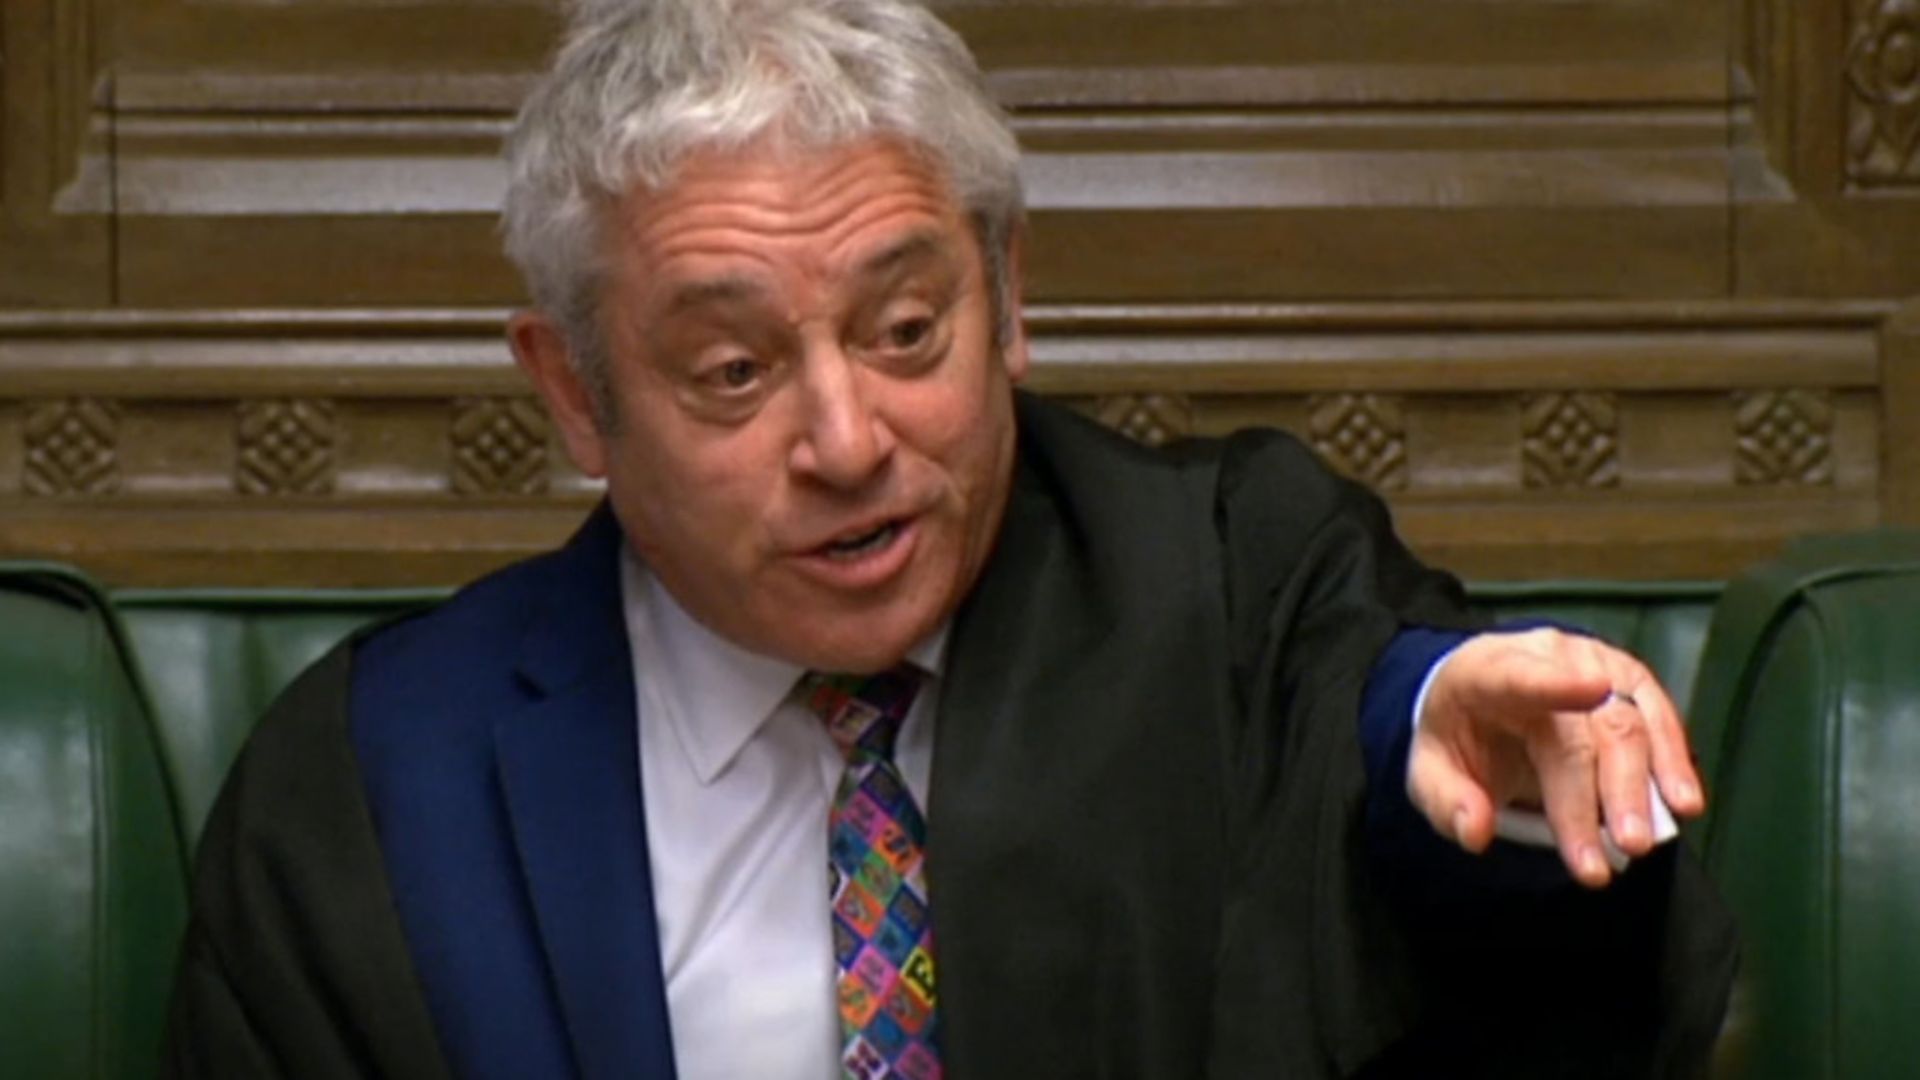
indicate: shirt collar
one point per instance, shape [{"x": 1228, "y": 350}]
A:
[{"x": 715, "y": 695}]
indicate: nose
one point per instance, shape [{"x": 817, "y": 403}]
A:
[{"x": 843, "y": 441}]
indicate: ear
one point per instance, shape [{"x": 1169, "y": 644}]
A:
[
  {"x": 1014, "y": 355},
  {"x": 541, "y": 350}
]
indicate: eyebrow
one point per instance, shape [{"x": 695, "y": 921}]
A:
[
  {"x": 721, "y": 290},
  {"x": 733, "y": 288}
]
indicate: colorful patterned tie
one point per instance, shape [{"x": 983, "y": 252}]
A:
[{"x": 882, "y": 931}]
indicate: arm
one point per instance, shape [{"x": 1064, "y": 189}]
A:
[
  {"x": 1485, "y": 980},
  {"x": 294, "y": 964}
]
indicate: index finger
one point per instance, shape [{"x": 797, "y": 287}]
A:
[
  {"x": 1515, "y": 687},
  {"x": 1668, "y": 748}
]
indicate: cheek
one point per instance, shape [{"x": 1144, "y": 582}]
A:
[
  {"x": 958, "y": 419},
  {"x": 704, "y": 487}
]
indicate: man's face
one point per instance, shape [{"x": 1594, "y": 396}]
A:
[{"x": 814, "y": 432}]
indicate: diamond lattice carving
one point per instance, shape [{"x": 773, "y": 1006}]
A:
[
  {"x": 1152, "y": 419},
  {"x": 1784, "y": 437},
  {"x": 71, "y": 447},
  {"x": 287, "y": 446},
  {"x": 1570, "y": 440},
  {"x": 1364, "y": 435},
  {"x": 499, "y": 446},
  {"x": 1883, "y": 80}
]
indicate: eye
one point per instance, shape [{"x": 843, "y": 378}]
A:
[
  {"x": 908, "y": 333},
  {"x": 738, "y": 373}
]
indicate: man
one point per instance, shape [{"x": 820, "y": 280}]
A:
[{"x": 871, "y": 669}]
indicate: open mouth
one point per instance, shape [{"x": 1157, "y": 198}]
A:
[{"x": 860, "y": 545}]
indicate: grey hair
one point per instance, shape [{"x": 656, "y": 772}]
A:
[{"x": 638, "y": 84}]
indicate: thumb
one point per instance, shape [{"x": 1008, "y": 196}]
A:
[{"x": 1455, "y": 803}]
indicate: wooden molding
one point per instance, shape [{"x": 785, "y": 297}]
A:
[
  {"x": 1900, "y": 449},
  {"x": 53, "y": 155},
  {"x": 306, "y": 209},
  {"x": 1684, "y": 439}
]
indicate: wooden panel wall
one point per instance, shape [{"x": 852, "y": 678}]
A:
[{"x": 1608, "y": 288}]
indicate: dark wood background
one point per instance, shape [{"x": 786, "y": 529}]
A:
[{"x": 1609, "y": 288}]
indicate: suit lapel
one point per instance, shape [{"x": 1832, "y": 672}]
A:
[{"x": 569, "y": 767}]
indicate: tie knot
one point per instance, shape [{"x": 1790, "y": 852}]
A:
[{"x": 862, "y": 713}]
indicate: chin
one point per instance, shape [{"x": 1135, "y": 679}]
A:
[
  {"x": 857, "y": 650},
  {"x": 865, "y": 657}
]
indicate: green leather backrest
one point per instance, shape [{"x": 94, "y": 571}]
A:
[
  {"x": 1809, "y": 714},
  {"x": 214, "y": 660},
  {"x": 92, "y": 878}
]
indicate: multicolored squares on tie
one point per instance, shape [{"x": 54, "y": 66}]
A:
[{"x": 882, "y": 927}]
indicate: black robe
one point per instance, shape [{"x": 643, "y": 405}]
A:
[{"x": 1149, "y": 847}]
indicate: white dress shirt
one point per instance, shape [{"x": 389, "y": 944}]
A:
[{"x": 737, "y": 780}]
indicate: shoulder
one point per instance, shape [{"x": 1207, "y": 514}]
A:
[
  {"x": 1255, "y": 485},
  {"x": 475, "y": 631},
  {"x": 425, "y": 692},
  {"x": 427, "y": 661}
]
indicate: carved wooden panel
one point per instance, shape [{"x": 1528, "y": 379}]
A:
[
  {"x": 71, "y": 447},
  {"x": 286, "y": 446},
  {"x": 1883, "y": 102},
  {"x": 1785, "y": 436},
  {"x": 1362, "y": 435},
  {"x": 1827, "y": 192},
  {"x": 1570, "y": 440},
  {"x": 499, "y": 446},
  {"x": 1512, "y": 439},
  {"x": 1151, "y": 419}
]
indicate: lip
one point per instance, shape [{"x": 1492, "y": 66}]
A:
[{"x": 870, "y": 569}]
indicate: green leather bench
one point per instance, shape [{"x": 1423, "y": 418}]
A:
[{"x": 120, "y": 713}]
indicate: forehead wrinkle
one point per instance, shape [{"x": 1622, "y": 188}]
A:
[
  {"x": 772, "y": 195},
  {"x": 735, "y": 219},
  {"x": 850, "y": 240}
]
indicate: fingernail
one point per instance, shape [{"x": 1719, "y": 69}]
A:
[
  {"x": 1460, "y": 824},
  {"x": 1633, "y": 829},
  {"x": 1592, "y": 865},
  {"x": 1687, "y": 793}
]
